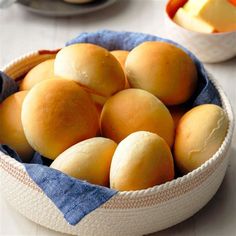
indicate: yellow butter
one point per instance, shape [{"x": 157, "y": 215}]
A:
[
  {"x": 221, "y": 14},
  {"x": 184, "y": 19}
]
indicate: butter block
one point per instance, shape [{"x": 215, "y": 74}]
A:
[
  {"x": 233, "y": 2},
  {"x": 184, "y": 19},
  {"x": 221, "y": 14}
]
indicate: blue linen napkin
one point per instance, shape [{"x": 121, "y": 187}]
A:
[
  {"x": 75, "y": 198},
  {"x": 7, "y": 86}
]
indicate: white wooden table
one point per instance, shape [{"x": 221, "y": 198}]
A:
[{"x": 21, "y": 32}]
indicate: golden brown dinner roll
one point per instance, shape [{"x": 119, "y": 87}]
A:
[
  {"x": 141, "y": 160},
  {"x": 11, "y": 130},
  {"x": 43, "y": 71},
  {"x": 57, "y": 114},
  {"x": 121, "y": 56},
  {"x": 133, "y": 110},
  {"x": 162, "y": 69},
  {"x": 97, "y": 99},
  {"x": 99, "y": 109},
  {"x": 199, "y": 134},
  {"x": 91, "y": 66},
  {"x": 88, "y": 160}
]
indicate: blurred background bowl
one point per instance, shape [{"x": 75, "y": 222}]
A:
[
  {"x": 59, "y": 8},
  {"x": 209, "y": 48}
]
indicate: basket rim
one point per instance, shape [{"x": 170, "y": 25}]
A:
[{"x": 175, "y": 182}]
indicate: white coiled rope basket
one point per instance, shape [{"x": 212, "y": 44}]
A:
[{"x": 127, "y": 213}]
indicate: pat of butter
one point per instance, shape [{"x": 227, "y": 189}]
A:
[
  {"x": 190, "y": 22},
  {"x": 221, "y": 14}
]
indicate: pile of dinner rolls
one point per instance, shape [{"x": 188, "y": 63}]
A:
[{"x": 116, "y": 118}]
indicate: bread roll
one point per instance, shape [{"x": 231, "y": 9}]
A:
[
  {"x": 11, "y": 130},
  {"x": 133, "y": 110},
  {"x": 57, "y": 114},
  {"x": 199, "y": 134},
  {"x": 121, "y": 56},
  {"x": 91, "y": 66},
  {"x": 97, "y": 99},
  {"x": 162, "y": 69},
  {"x": 43, "y": 71},
  {"x": 88, "y": 160},
  {"x": 141, "y": 160}
]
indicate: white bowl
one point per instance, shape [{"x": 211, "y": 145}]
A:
[
  {"x": 209, "y": 48},
  {"x": 127, "y": 213}
]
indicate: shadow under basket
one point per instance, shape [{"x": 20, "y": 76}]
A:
[{"x": 126, "y": 213}]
